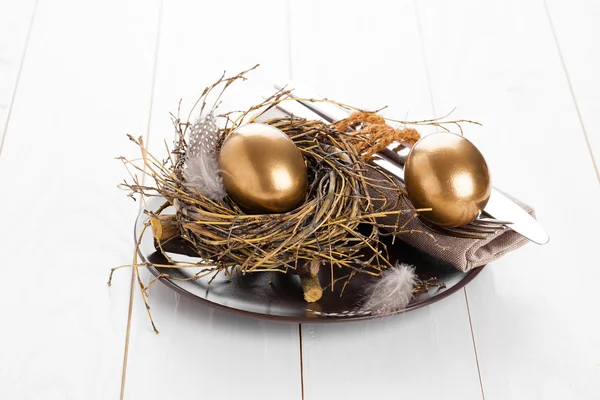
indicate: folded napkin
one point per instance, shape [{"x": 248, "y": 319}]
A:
[{"x": 464, "y": 254}]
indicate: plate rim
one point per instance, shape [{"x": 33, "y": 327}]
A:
[{"x": 317, "y": 319}]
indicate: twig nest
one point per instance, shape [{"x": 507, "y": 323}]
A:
[{"x": 323, "y": 227}]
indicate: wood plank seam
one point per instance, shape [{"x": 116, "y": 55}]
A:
[
  {"x": 474, "y": 345},
  {"x": 571, "y": 90},
  {"x": 133, "y": 270},
  {"x": 288, "y": 11},
  {"x": 289, "y": 38},
  {"x": 14, "y": 93},
  {"x": 429, "y": 84},
  {"x": 423, "y": 55},
  {"x": 301, "y": 361}
]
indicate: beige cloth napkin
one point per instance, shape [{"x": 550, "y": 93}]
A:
[{"x": 464, "y": 254}]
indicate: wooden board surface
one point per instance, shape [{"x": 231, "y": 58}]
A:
[
  {"x": 15, "y": 25},
  {"x": 75, "y": 78},
  {"x": 201, "y": 350},
  {"x": 533, "y": 329},
  {"x": 85, "y": 83},
  {"x": 576, "y": 31},
  {"x": 397, "y": 355}
]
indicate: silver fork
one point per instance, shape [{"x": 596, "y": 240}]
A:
[{"x": 393, "y": 162}]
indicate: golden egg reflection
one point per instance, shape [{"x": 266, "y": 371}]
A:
[
  {"x": 446, "y": 172},
  {"x": 263, "y": 170}
]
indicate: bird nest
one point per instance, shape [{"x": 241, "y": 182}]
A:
[{"x": 338, "y": 225}]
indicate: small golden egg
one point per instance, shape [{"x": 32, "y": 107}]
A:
[
  {"x": 446, "y": 172},
  {"x": 263, "y": 170}
]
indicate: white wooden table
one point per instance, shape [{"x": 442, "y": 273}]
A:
[{"x": 75, "y": 77}]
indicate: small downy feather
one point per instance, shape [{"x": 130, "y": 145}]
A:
[
  {"x": 202, "y": 171},
  {"x": 391, "y": 292}
]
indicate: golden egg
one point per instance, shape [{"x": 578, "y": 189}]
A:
[
  {"x": 263, "y": 170},
  {"x": 447, "y": 173}
]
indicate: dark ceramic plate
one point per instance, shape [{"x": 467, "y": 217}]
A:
[{"x": 252, "y": 295}]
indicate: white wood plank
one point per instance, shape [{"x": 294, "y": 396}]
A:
[
  {"x": 85, "y": 83},
  {"x": 200, "y": 351},
  {"x": 370, "y": 55},
  {"x": 535, "y": 322},
  {"x": 15, "y": 21},
  {"x": 577, "y": 31}
]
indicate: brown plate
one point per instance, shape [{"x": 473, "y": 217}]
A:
[{"x": 279, "y": 296}]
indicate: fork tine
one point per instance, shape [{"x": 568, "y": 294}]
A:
[
  {"x": 490, "y": 221},
  {"x": 475, "y": 229},
  {"x": 447, "y": 232},
  {"x": 493, "y": 227}
]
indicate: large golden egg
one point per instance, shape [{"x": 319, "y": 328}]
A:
[
  {"x": 447, "y": 173},
  {"x": 263, "y": 170}
]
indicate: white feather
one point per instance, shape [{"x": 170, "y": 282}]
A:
[
  {"x": 391, "y": 292},
  {"x": 202, "y": 174}
]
